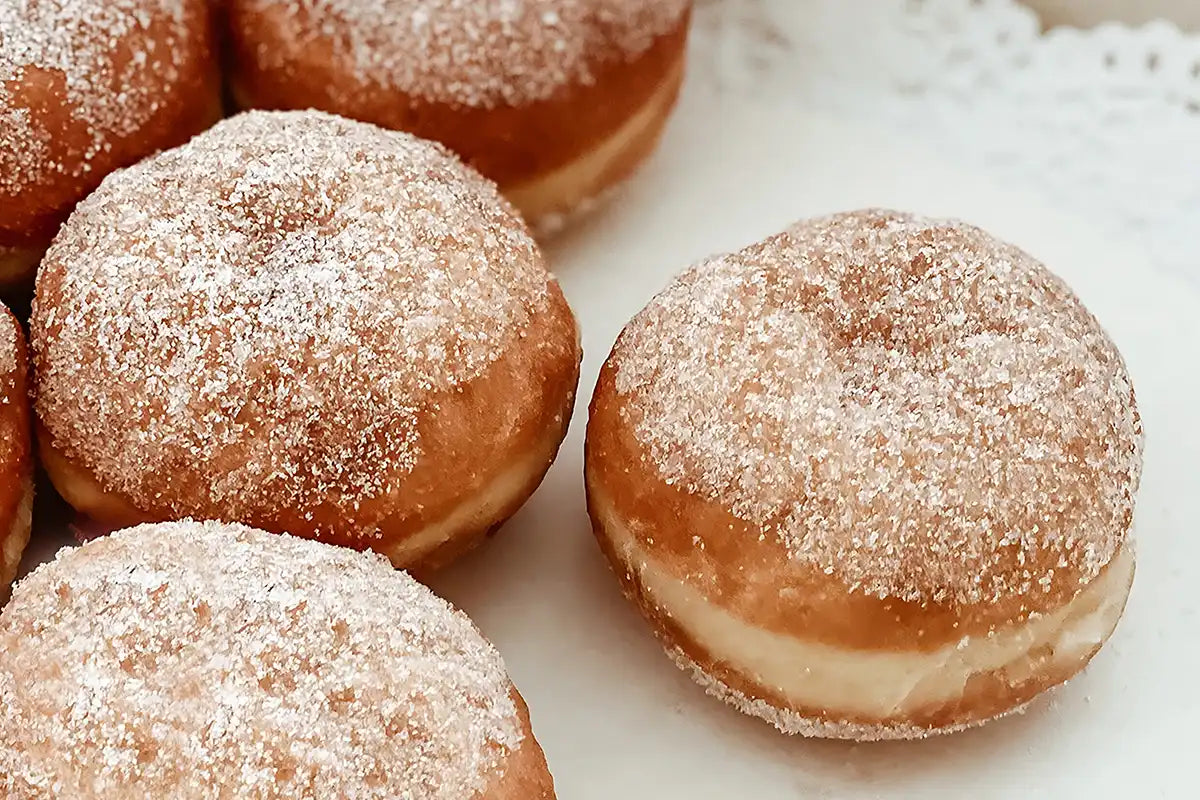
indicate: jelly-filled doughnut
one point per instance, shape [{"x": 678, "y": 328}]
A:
[
  {"x": 870, "y": 478},
  {"x": 202, "y": 661},
  {"x": 304, "y": 324}
]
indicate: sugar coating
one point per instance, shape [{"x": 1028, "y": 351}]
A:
[
  {"x": 201, "y": 660},
  {"x": 481, "y": 53},
  {"x": 100, "y": 53},
  {"x": 908, "y": 404},
  {"x": 268, "y": 312},
  {"x": 795, "y": 723},
  {"x": 10, "y": 442},
  {"x": 9, "y": 331}
]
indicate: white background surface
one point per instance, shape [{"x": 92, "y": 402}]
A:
[
  {"x": 614, "y": 715},
  {"x": 1104, "y": 121}
]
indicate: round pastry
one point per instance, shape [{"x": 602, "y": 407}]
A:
[
  {"x": 304, "y": 324},
  {"x": 87, "y": 86},
  {"x": 555, "y": 101},
  {"x": 203, "y": 660},
  {"x": 871, "y": 478},
  {"x": 16, "y": 450}
]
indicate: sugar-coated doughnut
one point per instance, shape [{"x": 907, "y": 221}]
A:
[
  {"x": 16, "y": 450},
  {"x": 87, "y": 86},
  {"x": 870, "y": 478},
  {"x": 555, "y": 100},
  {"x": 304, "y": 324},
  {"x": 198, "y": 661}
]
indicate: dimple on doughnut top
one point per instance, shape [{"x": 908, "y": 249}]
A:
[
  {"x": 261, "y": 316},
  {"x": 908, "y": 405},
  {"x": 93, "y": 51},
  {"x": 201, "y": 660},
  {"x": 474, "y": 52}
]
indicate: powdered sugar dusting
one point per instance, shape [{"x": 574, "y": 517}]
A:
[
  {"x": 9, "y": 331},
  {"x": 473, "y": 52},
  {"x": 175, "y": 659},
  {"x": 906, "y": 403},
  {"x": 94, "y": 51},
  {"x": 11, "y": 439},
  {"x": 277, "y": 304}
]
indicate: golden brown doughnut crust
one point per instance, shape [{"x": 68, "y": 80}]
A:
[
  {"x": 457, "y": 360},
  {"x": 526, "y": 775},
  {"x": 507, "y": 412},
  {"x": 281, "y": 60},
  {"x": 986, "y": 696},
  {"x": 16, "y": 449},
  {"x": 747, "y": 570},
  {"x": 89, "y": 86},
  {"x": 748, "y": 566}
]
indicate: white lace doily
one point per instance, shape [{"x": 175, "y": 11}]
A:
[{"x": 1106, "y": 120}]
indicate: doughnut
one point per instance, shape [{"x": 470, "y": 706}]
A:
[
  {"x": 870, "y": 478},
  {"x": 203, "y": 660},
  {"x": 87, "y": 86},
  {"x": 555, "y": 100},
  {"x": 16, "y": 450},
  {"x": 303, "y": 324}
]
